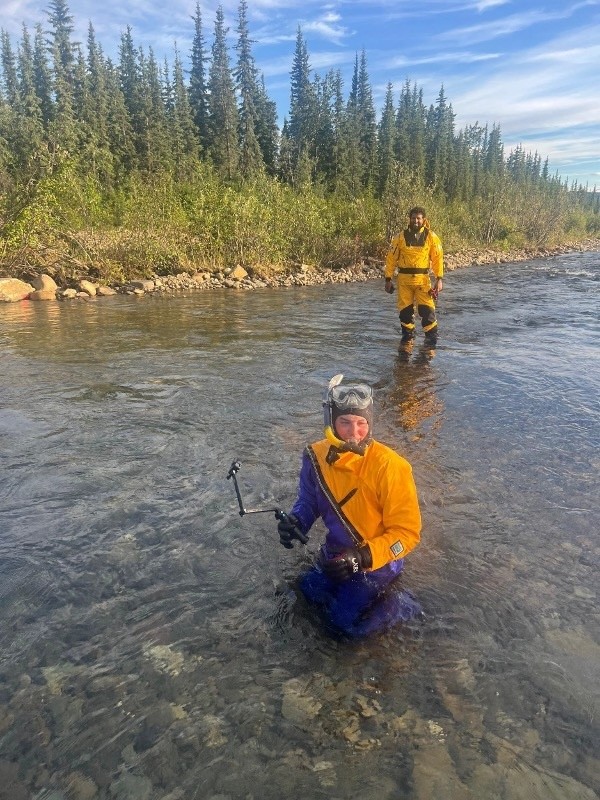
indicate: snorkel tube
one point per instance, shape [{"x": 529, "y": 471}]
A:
[{"x": 328, "y": 416}]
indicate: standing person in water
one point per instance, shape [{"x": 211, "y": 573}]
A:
[
  {"x": 412, "y": 254},
  {"x": 366, "y": 496}
]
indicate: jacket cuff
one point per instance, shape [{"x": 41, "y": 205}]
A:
[{"x": 366, "y": 558}]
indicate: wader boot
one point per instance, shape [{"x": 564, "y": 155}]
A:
[{"x": 431, "y": 338}]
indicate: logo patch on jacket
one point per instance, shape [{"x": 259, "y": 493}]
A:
[{"x": 397, "y": 548}]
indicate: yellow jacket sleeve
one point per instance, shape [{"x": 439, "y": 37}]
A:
[
  {"x": 436, "y": 255},
  {"x": 401, "y": 517},
  {"x": 392, "y": 258}
]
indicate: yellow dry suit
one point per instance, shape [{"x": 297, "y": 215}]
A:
[
  {"x": 411, "y": 256},
  {"x": 368, "y": 499}
]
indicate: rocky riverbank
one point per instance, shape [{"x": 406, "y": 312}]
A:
[{"x": 43, "y": 287}]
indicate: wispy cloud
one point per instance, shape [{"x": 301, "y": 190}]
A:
[
  {"x": 449, "y": 57},
  {"x": 534, "y": 89},
  {"x": 485, "y": 31},
  {"x": 328, "y": 27},
  {"x": 483, "y": 5},
  {"x": 506, "y": 26}
]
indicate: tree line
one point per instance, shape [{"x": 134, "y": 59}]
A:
[{"x": 197, "y": 160}]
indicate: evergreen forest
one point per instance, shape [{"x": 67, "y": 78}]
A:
[{"x": 124, "y": 168}]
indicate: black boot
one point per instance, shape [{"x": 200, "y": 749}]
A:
[
  {"x": 407, "y": 336},
  {"x": 431, "y": 338}
]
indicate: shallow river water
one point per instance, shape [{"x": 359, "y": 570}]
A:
[{"x": 152, "y": 645}]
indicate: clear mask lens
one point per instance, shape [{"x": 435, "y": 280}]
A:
[{"x": 357, "y": 395}]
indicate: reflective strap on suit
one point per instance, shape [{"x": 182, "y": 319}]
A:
[
  {"x": 354, "y": 534},
  {"x": 413, "y": 270}
]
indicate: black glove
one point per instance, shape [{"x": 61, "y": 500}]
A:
[
  {"x": 343, "y": 565},
  {"x": 389, "y": 286},
  {"x": 289, "y": 529}
]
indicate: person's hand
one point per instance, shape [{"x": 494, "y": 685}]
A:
[
  {"x": 350, "y": 562},
  {"x": 289, "y": 529},
  {"x": 439, "y": 285},
  {"x": 389, "y": 286}
]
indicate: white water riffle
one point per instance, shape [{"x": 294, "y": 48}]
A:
[{"x": 151, "y": 642}]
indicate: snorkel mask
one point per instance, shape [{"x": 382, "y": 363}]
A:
[{"x": 351, "y": 398}]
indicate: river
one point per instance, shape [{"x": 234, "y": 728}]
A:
[{"x": 152, "y": 645}]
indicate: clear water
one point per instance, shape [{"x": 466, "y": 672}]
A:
[{"x": 151, "y": 643}]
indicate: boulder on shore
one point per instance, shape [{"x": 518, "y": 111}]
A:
[
  {"x": 44, "y": 283},
  {"x": 43, "y": 294},
  {"x": 238, "y": 273},
  {"x": 12, "y": 290},
  {"x": 88, "y": 287}
]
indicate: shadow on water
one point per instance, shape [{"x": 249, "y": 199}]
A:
[{"x": 154, "y": 644}]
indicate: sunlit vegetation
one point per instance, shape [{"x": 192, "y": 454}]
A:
[{"x": 116, "y": 170}]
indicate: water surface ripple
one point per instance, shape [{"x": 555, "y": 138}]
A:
[{"x": 152, "y": 644}]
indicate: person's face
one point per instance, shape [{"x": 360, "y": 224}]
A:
[
  {"x": 351, "y": 428},
  {"x": 416, "y": 221}
]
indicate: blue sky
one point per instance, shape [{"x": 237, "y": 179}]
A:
[{"x": 530, "y": 66}]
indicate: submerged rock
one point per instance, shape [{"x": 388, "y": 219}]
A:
[{"x": 297, "y": 705}]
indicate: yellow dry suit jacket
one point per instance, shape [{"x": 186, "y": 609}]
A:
[
  {"x": 373, "y": 496},
  {"x": 415, "y": 254}
]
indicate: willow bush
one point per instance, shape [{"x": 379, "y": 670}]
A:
[{"x": 65, "y": 223}]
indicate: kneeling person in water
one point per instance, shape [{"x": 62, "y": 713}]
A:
[{"x": 366, "y": 496}]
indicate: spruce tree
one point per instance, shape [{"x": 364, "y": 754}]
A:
[
  {"x": 42, "y": 76},
  {"x": 28, "y": 101},
  {"x": 82, "y": 100},
  {"x": 63, "y": 50},
  {"x": 26, "y": 135},
  {"x": 338, "y": 116},
  {"x": 440, "y": 141},
  {"x": 404, "y": 120},
  {"x": 476, "y": 138},
  {"x": 131, "y": 86},
  {"x": 493, "y": 161},
  {"x": 325, "y": 162},
  {"x": 185, "y": 144},
  {"x": 97, "y": 110},
  {"x": 246, "y": 74},
  {"x": 198, "y": 93},
  {"x": 224, "y": 119},
  {"x": 367, "y": 123},
  {"x": 417, "y": 133},
  {"x": 121, "y": 135},
  {"x": 93, "y": 111},
  {"x": 267, "y": 131},
  {"x": 386, "y": 143},
  {"x": 285, "y": 157},
  {"x": 156, "y": 154},
  {"x": 63, "y": 131},
  {"x": 9, "y": 69},
  {"x": 303, "y": 119},
  {"x": 352, "y": 167},
  {"x": 460, "y": 177}
]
